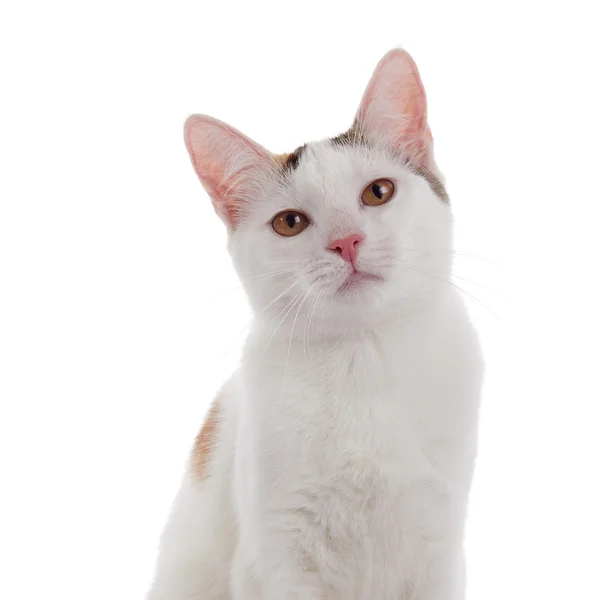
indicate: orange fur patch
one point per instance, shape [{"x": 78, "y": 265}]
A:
[
  {"x": 205, "y": 441},
  {"x": 281, "y": 159},
  {"x": 289, "y": 161}
]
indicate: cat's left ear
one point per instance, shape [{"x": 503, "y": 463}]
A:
[
  {"x": 230, "y": 165},
  {"x": 393, "y": 110}
]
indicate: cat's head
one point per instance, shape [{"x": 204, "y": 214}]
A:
[{"x": 346, "y": 230}]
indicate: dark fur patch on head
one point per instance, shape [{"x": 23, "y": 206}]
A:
[
  {"x": 352, "y": 137},
  {"x": 434, "y": 183},
  {"x": 291, "y": 161}
]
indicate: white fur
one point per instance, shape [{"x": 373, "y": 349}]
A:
[{"x": 348, "y": 435}]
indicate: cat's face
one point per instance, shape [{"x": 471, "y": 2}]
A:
[
  {"x": 329, "y": 250},
  {"x": 341, "y": 232}
]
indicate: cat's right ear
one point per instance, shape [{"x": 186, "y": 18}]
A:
[{"x": 229, "y": 164}]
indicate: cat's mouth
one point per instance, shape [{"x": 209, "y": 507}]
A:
[{"x": 357, "y": 280}]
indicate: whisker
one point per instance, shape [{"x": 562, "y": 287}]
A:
[
  {"x": 292, "y": 303},
  {"x": 472, "y": 255},
  {"x": 309, "y": 320},
  {"x": 272, "y": 274},
  {"x": 460, "y": 289},
  {"x": 283, "y": 293},
  {"x": 479, "y": 285},
  {"x": 287, "y": 360}
]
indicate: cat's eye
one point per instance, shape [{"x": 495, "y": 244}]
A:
[
  {"x": 378, "y": 192},
  {"x": 290, "y": 222}
]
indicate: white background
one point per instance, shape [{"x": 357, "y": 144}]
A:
[{"x": 120, "y": 315}]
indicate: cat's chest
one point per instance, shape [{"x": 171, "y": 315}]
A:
[
  {"x": 378, "y": 436},
  {"x": 373, "y": 418},
  {"x": 385, "y": 408},
  {"x": 351, "y": 459}
]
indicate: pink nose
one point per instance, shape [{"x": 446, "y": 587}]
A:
[{"x": 347, "y": 247}]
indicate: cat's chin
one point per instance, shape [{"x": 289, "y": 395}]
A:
[{"x": 358, "y": 280}]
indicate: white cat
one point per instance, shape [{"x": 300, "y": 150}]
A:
[{"x": 336, "y": 463}]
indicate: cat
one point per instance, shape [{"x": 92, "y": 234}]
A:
[{"x": 336, "y": 462}]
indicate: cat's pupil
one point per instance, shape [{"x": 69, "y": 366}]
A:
[
  {"x": 291, "y": 220},
  {"x": 378, "y": 191}
]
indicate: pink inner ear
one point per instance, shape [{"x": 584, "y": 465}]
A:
[
  {"x": 394, "y": 107},
  {"x": 227, "y": 163}
]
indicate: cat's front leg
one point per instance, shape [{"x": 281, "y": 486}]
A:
[
  {"x": 276, "y": 575},
  {"x": 289, "y": 583},
  {"x": 277, "y": 586},
  {"x": 286, "y": 570}
]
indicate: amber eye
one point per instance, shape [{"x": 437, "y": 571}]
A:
[
  {"x": 290, "y": 222},
  {"x": 378, "y": 192}
]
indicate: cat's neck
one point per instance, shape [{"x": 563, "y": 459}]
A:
[{"x": 394, "y": 324}]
